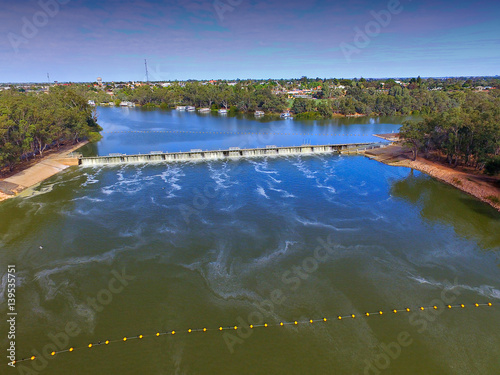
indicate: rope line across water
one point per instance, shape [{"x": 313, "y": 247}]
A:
[
  {"x": 264, "y": 325},
  {"x": 232, "y": 133}
]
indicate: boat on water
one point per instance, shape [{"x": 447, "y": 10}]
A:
[
  {"x": 223, "y": 111},
  {"x": 204, "y": 110},
  {"x": 286, "y": 115},
  {"x": 190, "y": 108},
  {"x": 259, "y": 113},
  {"x": 181, "y": 108}
]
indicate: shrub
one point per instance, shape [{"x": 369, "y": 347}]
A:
[{"x": 492, "y": 166}]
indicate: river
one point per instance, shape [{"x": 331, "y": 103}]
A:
[{"x": 103, "y": 253}]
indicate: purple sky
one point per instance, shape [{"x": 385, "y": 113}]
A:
[{"x": 77, "y": 40}]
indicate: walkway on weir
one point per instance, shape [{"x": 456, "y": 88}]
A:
[{"x": 231, "y": 153}]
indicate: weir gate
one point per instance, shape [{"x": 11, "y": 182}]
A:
[{"x": 231, "y": 153}]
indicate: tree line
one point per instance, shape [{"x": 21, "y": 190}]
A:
[
  {"x": 327, "y": 98},
  {"x": 32, "y": 123},
  {"x": 466, "y": 134}
]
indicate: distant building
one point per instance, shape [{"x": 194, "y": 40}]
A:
[{"x": 99, "y": 81}]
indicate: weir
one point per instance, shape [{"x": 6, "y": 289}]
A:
[{"x": 232, "y": 153}]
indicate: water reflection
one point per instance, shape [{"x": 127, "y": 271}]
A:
[{"x": 441, "y": 203}]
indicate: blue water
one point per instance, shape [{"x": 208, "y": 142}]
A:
[{"x": 278, "y": 133}]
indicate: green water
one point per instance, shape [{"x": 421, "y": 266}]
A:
[{"x": 238, "y": 243}]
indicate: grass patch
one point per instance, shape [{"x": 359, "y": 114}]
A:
[{"x": 493, "y": 199}]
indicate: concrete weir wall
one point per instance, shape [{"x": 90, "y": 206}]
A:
[{"x": 225, "y": 154}]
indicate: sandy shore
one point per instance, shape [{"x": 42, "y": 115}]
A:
[
  {"x": 479, "y": 186},
  {"x": 51, "y": 164}
]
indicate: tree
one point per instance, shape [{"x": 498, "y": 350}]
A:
[{"x": 413, "y": 135}]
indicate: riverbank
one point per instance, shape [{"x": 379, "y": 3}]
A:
[
  {"x": 484, "y": 188},
  {"x": 36, "y": 171}
]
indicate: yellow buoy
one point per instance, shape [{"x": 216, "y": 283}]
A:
[
  {"x": 251, "y": 326},
  {"x": 394, "y": 311},
  {"x": 281, "y": 324},
  {"x": 173, "y": 332},
  {"x": 367, "y": 314},
  {"x": 107, "y": 342},
  {"x": 340, "y": 318},
  {"x": 235, "y": 327},
  {"x": 296, "y": 322},
  {"x": 124, "y": 339},
  {"x": 490, "y": 304},
  {"x": 422, "y": 308},
  {"x": 90, "y": 345},
  {"x": 33, "y": 358},
  {"x": 477, "y": 305},
  {"x": 71, "y": 349},
  {"x": 449, "y": 306},
  {"x": 324, "y": 319},
  {"x": 353, "y": 316},
  {"x": 265, "y": 325},
  {"x": 380, "y": 312},
  {"x": 311, "y": 321},
  {"x": 158, "y": 334},
  {"x": 462, "y": 305},
  {"x": 435, "y": 307},
  {"x": 53, "y": 353},
  {"x": 204, "y": 330}
]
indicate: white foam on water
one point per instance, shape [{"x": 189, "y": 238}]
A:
[
  {"x": 125, "y": 185},
  {"x": 306, "y": 222},
  {"x": 128, "y": 233},
  {"x": 86, "y": 198},
  {"x": 232, "y": 207},
  {"x": 92, "y": 177},
  {"x": 483, "y": 290},
  {"x": 221, "y": 176},
  {"x": 260, "y": 190},
  {"x": 301, "y": 166},
  {"x": 280, "y": 251},
  {"x": 171, "y": 176},
  {"x": 328, "y": 188},
  {"x": 285, "y": 194},
  {"x": 263, "y": 167},
  {"x": 221, "y": 274},
  {"x": 66, "y": 264},
  {"x": 164, "y": 229}
]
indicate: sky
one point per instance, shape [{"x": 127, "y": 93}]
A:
[{"x": 78, "y": 41}]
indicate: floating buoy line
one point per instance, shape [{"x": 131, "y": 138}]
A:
[
  {"x": 366, "y": 315},
  {"x": 232, "y": 133}
]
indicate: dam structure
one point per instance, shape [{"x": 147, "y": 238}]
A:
[{"x": 231, "y": 153}]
